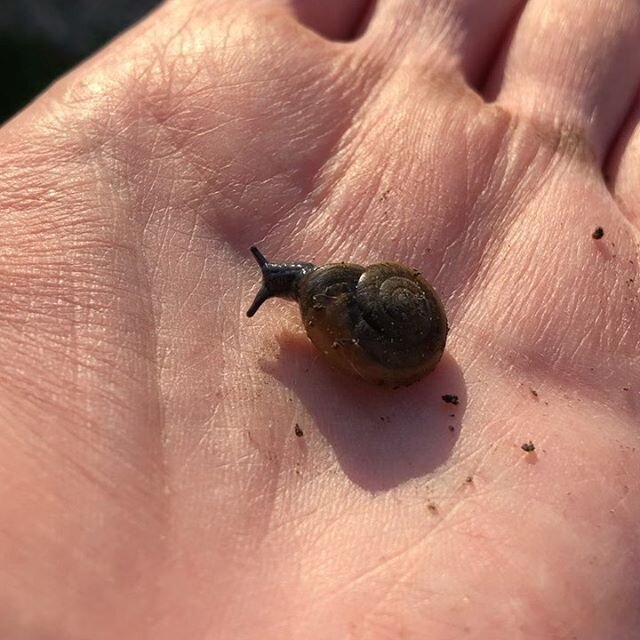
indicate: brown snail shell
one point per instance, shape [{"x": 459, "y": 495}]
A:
[{"x": 382, "y": 323}]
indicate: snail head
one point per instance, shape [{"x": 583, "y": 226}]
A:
[{"x": 279, "y": 280}]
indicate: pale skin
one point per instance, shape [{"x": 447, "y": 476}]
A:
[{"x": 151, "y": 481}]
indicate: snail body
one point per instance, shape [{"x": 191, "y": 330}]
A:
[{"x": 382, "y": 323}]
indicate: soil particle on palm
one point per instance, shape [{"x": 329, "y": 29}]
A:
[
  {"x": 529, "y": 447},
  {"x": 298, "y": 431},
  {"x": 449, "y": 398},
  {"x": 598, "y": 233}
]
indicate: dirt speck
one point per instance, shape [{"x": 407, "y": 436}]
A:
[
  {"x": 298, "y": 431},
  {"x": 451, "y": 428},
  {"x": 449, "y": 398},
  {"x": 433, "y": 507},
  {"x": 534, "y": 393},
  {"x": 598, "y": 233},
  {"x": 529, "y": 447}
]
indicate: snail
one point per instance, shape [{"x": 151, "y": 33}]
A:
[{"x": 382, "y": 323}]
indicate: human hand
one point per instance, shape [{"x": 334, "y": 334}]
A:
[{"x": 153, "y": 486}]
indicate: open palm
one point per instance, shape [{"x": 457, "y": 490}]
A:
[{"x": 153, "y": 485}]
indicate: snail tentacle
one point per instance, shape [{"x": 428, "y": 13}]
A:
[{"x": 278, "y": 280}]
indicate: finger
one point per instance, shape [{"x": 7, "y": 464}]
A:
[
  {"x": 575, "y": 64},
  {"x": 445, "y": 34},
  {"x": 623, "y": 168}
]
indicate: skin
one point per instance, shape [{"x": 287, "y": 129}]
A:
[{"x": 151, "y": 483}]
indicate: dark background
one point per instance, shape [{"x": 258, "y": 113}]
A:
[{"x": 41, "y": 39}]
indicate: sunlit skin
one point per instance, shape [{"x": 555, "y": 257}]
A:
[{"x": 153, "y": 483}]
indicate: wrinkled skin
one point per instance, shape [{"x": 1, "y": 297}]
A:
[{"x": 151, "y": 482}]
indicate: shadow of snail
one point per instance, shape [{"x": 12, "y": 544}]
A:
[{"x": 385, "y": 325}]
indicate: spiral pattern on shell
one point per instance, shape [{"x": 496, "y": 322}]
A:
[
  {"x": 384, "y": 323},
  {"x": 400, "y": 315}
]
